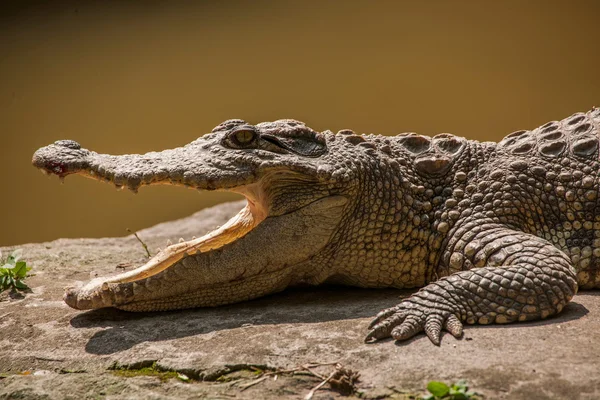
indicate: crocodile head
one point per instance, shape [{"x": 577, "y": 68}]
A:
[{"x": 297, "y": 192}]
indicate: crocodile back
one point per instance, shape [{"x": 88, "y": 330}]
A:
[
  {"x": 575, "y": 136},
  {"x": 555, "y": 181}
]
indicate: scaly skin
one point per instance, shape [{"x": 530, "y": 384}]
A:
[{"x": 491, "y": 232}]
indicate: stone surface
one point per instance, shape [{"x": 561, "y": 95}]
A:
[{"x": 43, "y": 342}]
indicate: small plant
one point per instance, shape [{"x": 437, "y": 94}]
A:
[
  {"x": 13, "y": 271},
  {"x": 458, "y": 391}
]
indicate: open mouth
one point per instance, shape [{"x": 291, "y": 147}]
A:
[
  {"x": 101, "y": 292},
  {"x": 266, "y": 247}
]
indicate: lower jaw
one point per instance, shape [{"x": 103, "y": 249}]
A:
[
  {"x": 219, "y": 295},
  {"x": 93, "y": 296},
  {"x": 259, "y": 263}
]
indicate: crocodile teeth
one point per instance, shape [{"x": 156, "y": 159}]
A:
[
  {"x": 169, "y": 243},
  {"x": 181, "y": 240}
]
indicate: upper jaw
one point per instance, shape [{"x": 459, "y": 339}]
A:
[{"x": 200, "y": 164}]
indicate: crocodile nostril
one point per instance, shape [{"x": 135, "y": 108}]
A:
[
  {"x": 70, "y": 297},
  {"x": 70, "y": 144}
]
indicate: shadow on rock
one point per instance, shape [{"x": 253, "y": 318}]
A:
[{"x": 299, "y": 305}]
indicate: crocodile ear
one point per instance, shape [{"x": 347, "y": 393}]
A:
[
  {"x": 304, "y": 146},
  {"x": 293, "y": 136}
]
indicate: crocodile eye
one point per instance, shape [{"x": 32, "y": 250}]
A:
[
  {"x": 242, "y": 137},
  {"x": 245, "y": 136}
]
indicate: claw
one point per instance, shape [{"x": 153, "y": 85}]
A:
[
  {"x": 371, "y": 336},
  {"x": 433, "y": 328},
  {"x": 454, "y": 326},
  {"x": 412, "y": 317},
  {"x": 384, "y": 328},
  {"x": 382, "y": 315},
  {"x": 409, "y": 328}
]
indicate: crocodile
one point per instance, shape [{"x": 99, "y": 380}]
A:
[{"x": 489, "y": 232}]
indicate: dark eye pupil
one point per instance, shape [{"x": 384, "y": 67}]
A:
[{"x": 244, "y": 136}]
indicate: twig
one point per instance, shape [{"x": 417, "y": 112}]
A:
[
  {"x": 48, "y": 359},
  {"x": 231, "y": 382},
  {"x": 313, "y": 373},
  {"x": 140, "y": 240},
  {"x": 306, "y": 368},
  {"x": 254, "y": 382},
  {"x": 314, "y": 365},
  {"x": 319, "y": 386}
]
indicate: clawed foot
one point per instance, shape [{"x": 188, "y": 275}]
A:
[{"x": 409, "y": 318}]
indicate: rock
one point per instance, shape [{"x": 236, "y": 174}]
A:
[{"x": 48, "y": 350}]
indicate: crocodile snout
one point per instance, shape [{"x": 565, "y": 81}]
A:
[
  {"x": 99, "y": 293},
  {"x": 62, "y": 158},
  {"x": 71, "y": 298}
]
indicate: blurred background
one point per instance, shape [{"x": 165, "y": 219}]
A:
[{"x": 131, "y": 77}]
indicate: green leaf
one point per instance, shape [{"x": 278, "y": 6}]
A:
[
  {"x": 438, "y": 389},
  {"x": 17, "y": 254},
  {"x": 7, "y": 266},
  {"x": 20, "y": 285},
  {"x": 427, "y": 397},
  {"x": 3, "y": 271},
  {"x": 461, "y": 385},
  {"x": 10, "y": 281},
  {"x": 3, "y": 282},
  {"x": 20, "y": 269},
  {"x": 458, "y": 396},
  {"x": 183, "y": 377}
]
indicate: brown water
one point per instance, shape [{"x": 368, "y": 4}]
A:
[{"x": 125, "y": 77}]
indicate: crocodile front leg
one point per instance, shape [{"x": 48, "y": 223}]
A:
[{"x": 520, "y": 277}]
